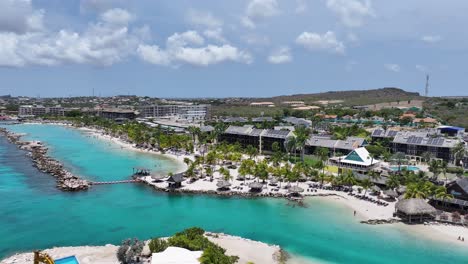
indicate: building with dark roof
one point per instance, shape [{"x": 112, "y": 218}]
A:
[
  {"x": 334, "y": 146},
  {"x": 259, "y": 138}
]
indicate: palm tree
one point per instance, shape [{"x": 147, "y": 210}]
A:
[
  {"x": 373, "y": 175},
  {"x": 393, "y": 181},
  {"x": 252, "y": 151},
  {"x": 322, "y": 177},
  {"x": 365, "y": 184},
  {"x": 440, "y": 192},
  {"x": 459, "y": 152},
  {"x": 291, "y": 145},
  {"x": 435, "y": 168},
  {"x": 261, "y": 170},
  {"x": 399, "y": 157},
  {"x": 246, "y": 168},
  {"x": 302, "y": 134},
  {"x": 348, "y": 178}
]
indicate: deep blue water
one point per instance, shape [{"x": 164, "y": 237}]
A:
[{"x": 36, "y": 215}]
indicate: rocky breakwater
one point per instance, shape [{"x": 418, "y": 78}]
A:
[{"x": 38, "y": 152}]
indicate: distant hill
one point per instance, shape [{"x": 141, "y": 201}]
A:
[{"x": 356, "y": 97}]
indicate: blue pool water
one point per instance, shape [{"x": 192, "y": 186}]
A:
[
  {"x": 67, "y": 260},
  {"x": 409, "y": 168},
  {"x": 35, "y": 215}
]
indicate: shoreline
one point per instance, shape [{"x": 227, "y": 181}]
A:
[
  {"x": 364, "y": 210},
  {"x": 246, "y": 249}
]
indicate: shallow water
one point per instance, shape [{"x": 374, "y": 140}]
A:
[{"x": 36, "y": 215}]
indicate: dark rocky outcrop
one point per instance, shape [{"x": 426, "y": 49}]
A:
[{"x": 66, "y": 181}]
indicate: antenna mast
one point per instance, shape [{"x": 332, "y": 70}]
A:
[{"x": 426, "y": 92}]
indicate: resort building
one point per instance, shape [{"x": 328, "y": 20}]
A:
[
  {"x": 297, "y": 121},
  {"x": 334, "y": 146},
  {"x": 263, "y": 139},
  {"x": 235, "y": 120},
  {"x": 39, "y": 110},
  {"x": 357, "y": 160},
  {"x": 188, "y": 112},
  {"x": 414, "y": 144},
  {"x": 414, "y": 210},
  {"x": 267, "y": 104},
  {"x": 459, "y": 203},
  {"x": 116, "y": 114}
]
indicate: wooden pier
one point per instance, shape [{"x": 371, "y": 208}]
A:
[{"x": 114, "y": 182}]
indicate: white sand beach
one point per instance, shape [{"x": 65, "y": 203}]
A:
[{"x": 247, "y": 250}]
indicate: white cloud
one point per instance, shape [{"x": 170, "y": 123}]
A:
[
  {"x": 179, "y": 51},
  {"x": 351, "y": 12},
  {"x": 185, "y": 38},
  {"x": 301, "y": 6},
  {"x": 431, "y": 38},
  {"x": 215, "y": 34},
  {"x": 19, "y": 16},
  {"x": 100, "y": 5},
  {"x": 315, "y": 41},
  {"x": 421, "y": 68},
  {"x": 102, "y": 43},
  {"x": 116, "y": 16},
  {"x": 204, "y": 19},
  {"x": 257, "y": 10},
  {"x": 281, "y": 55},
  {"x": 258, "y": 40},
  {"x": 392, "y": 67}
]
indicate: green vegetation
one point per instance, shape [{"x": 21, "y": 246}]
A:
[
  {"x": 452, "y": 111},
  {"x": 158, "y": 245}
]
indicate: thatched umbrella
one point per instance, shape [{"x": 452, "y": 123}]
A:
[
  {"x": 273, "y": 181},
  {"x": 256, "y": 186},
  {"x": 295, "y": 189},
  {"x": 391, "y": 193},
  {"x": 223, "y": 185},
  {"x": 414, "y": 209},
  {"x": 376, "y": 188},
  {"x": 401, "y": 189},
  {"x": 158, "y": 177}
]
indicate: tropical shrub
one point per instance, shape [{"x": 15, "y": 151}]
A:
[{"x": 157, "y": 245}]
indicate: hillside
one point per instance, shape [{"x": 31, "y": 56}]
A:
[
  {"x": 240, "y": 106},
  {"x": 356, "y": 97}
]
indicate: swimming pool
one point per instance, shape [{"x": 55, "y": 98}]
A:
[
  {"x": 409, "y": 168},
  {"x": 67, "y": 260}
]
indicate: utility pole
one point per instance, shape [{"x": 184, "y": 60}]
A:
[{"x": 426, "y": 92}]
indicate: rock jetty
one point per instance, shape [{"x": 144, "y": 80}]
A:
[{"x": 66, "y": 181}]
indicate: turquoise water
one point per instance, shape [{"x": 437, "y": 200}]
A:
[
  {"x": 36, "y": 215},
  {"x": 67, "y": 260},
  {"x": 409, "y": 168}
]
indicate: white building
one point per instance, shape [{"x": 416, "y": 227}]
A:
[{"x": 358, "y": 160}]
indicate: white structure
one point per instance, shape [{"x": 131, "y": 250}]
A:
[
  {"x": 359, "y": 160},
  {"x": 176, "y": 255},
  {"x": 189, "y": 112},
  {"x": 39, "y": 110}
]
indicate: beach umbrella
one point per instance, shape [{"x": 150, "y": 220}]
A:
[
  {"x": 223, "y": 184},
  {"x": 256, "y": 185},
  {"x": 401, "y": 189},
  {"x": 391, "y": 193},
  {"x": 295, "y": 189},
  {"x": 273, "y": 181}
]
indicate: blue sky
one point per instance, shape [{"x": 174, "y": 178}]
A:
[{"x": 215, "y": 48}]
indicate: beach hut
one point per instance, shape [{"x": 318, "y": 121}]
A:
[
  {"x": 414, "y": 210},
  {"x": 274, "y": 182},
  {"x": 256, "y": 187},
  {"x": 295, "y": 190},
  {"x": 376, "y": 189},
  {"x": 390, "y": 194},
  {"x": 157, "y": 177},
  {"x": 223, "y": 185},
  {"x": 401, "y": 189},
  {"x": 175, "y": 181}
]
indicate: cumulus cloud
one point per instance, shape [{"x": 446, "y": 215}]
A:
[
  {"x": 102, "y": 43},
  {"x": 100, "y": 5},
  {"x": 392, "y": 67},
  {"x": 315, "y": 41},
  {"x": 281, "y": 55},
  {"x": 116, "y": 16},
  {"x": 421, "y": 68},
  {"x": 301, "y": 6},
  {"x": 184, "y": 48},
  {"x": 431, "y": 38},
  {"x": 215, "y": 34},
  {"x": 351, "y": 12},
  {"x": 19, "y": 16},
  {"x": 204, "y": 19},
  {"x": 257, "y": 10}
]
